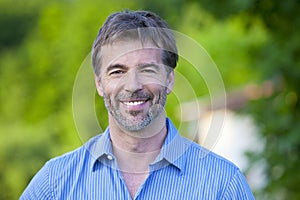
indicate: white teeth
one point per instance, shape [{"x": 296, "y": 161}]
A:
[{"x": 133, "y": 103}]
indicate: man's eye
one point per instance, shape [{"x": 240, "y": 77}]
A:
[
  {"x": 149, "y": 71},
  {"x": 116, "y": 72}
]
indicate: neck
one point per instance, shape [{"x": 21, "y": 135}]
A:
[{"x": 136, "y": 150}]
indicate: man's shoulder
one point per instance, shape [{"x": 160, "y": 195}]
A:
[
  {"x": 74, "y": 158},
  {"x": 200, "y": 156},
  {"x": 196, "y": 154},
  {"x": 215, "y": 173},
  {"x": 205, "y": 166},
  {"x": 59, "y": 173},
  {"x": 70, "y": 156}
]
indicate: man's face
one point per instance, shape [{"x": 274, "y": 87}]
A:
[{"x": 134, "y": 83}]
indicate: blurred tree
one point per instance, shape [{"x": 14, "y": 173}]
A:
[
  {"x": 16, "y": 21},
  {"x": 277, "y": 113},
  {"x": 167, "y": 9},
  {"x": 230, "y": 50}
]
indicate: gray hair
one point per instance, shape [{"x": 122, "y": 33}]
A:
[{"x": 142, "y": 25}]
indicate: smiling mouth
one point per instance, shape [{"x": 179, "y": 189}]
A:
[{"x": 134, "y": 103}]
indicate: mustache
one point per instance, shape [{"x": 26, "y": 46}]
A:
[{"x": 134, "y": 95}]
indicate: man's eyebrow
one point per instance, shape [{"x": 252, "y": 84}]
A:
[
  {"x": 145, "y": 65},
  {"x": 115, "y": 66}
]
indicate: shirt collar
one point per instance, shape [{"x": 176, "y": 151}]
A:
[
  {"x": 100, "y": 148},
  {"x": 172, "y": 150}
]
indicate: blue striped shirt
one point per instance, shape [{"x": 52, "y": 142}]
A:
[{"x": 182, "y": 170}]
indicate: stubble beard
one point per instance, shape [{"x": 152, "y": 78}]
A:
[{"x": 136, "y": 121}]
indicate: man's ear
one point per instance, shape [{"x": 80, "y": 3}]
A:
[
  {"x": 98, "y": 85},
  {"x": 170, "y": 83}
]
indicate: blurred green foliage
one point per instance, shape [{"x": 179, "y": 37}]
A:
[
  {"x": 43, "y": 43},
  {"x": 277, "y": 114}
]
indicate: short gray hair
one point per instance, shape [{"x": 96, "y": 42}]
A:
[{"x": 143, "y": 25}]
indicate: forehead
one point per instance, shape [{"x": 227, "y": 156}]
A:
[{"x": 130, "y": 53}]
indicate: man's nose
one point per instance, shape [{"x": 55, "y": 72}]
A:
[{"x": 132, "y": 82}]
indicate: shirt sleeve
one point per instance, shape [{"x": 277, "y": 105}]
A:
[
  {"x": 39, "y": 187},
  {"x": 238, "y": 188}
]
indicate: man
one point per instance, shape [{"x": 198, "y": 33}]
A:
[{"x": 140, "y": 155}]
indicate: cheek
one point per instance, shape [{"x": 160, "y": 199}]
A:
[
  {"x": 109, "y": 88},
  {"x": 153, "y": 80},
  {"x": 157, "y": 91}
]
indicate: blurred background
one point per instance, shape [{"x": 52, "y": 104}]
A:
[{"x": 255, "y": 45}]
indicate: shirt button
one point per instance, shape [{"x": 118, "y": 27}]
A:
[{"x": 109, "y": 157}]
